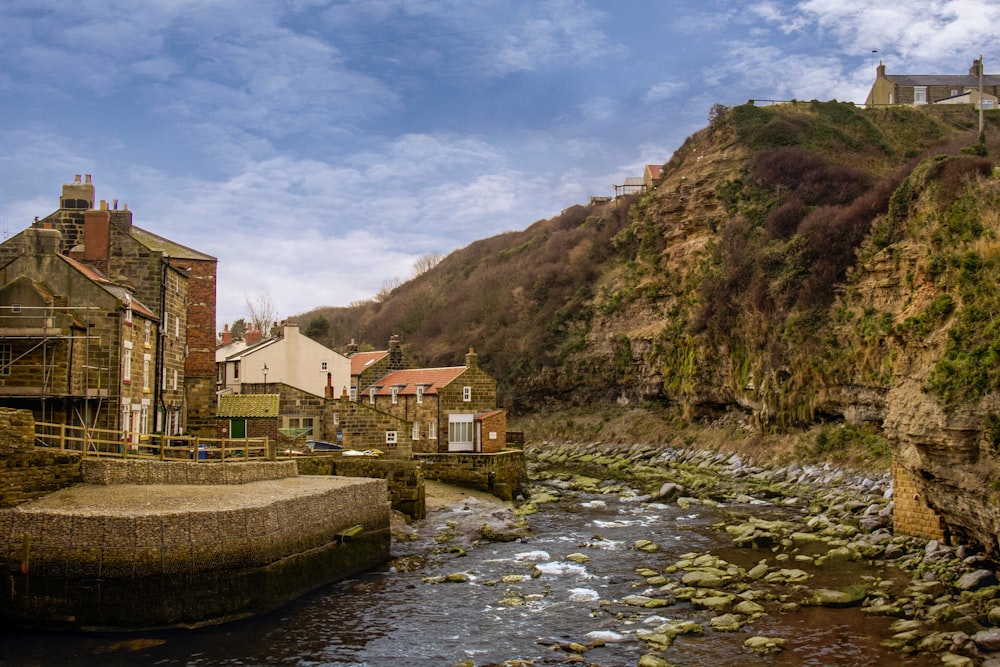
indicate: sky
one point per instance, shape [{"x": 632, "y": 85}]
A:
[{"x": 319, "y": 148}]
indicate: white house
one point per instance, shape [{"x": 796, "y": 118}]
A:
[{"x": 290, "y": 359}]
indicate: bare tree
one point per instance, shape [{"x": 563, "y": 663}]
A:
[
  {"x": 426, "y": 263},
  {"x": 386, "y": 289},
  {"x": 262, "y": 313}
]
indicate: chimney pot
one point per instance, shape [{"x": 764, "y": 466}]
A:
[
  {"x": 115, "y": 204},
  {"x": 76, "y": 178},
  {"x": 88, "y": 178}
]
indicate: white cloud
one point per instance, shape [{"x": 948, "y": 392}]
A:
[{"x": 665, "y": 90}]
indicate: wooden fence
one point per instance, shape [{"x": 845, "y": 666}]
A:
[{"x": 125, "y": 444}]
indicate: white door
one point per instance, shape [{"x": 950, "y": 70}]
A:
[{"x": 460, "y": 433}]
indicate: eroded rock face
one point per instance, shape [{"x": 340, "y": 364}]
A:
[{"x": 949, "y": 460}]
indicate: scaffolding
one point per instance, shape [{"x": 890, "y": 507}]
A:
[{"x": 40, "y": 364}]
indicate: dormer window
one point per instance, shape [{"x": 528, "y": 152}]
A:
[
  {"x": 371, "y": 395},
  {"x": 128, "y": 309},
  {"x": 420, "y": 394},
  {"x": 395, "y": 395}
]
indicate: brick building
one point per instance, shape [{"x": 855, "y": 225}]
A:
[{"x": 175, "y": 282}]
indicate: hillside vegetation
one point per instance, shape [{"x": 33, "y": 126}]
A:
[{"x": 734, "y": 283}]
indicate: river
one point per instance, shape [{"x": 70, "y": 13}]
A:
[{"x": 521, "y": 599}]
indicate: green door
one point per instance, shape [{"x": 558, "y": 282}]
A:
[{"x": 237, "y": 428}]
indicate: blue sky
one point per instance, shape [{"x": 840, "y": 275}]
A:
[{"x": 319, "y": 147}]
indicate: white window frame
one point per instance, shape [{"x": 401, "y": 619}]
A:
[
  {"x": 324, "y": 365},
  {"x": 395, "y": 395},
  {"x": 920, "y": 95},
  {"x": 128, "y": 309},
  {"x": 147, "y": 333},
  {"x": 127, "y": 362},
  {"x": 415, "y": 432},
  {"x": 461, "y": 433},
  {"x": 177, "y": 327},
  {"x": 432, "y": 430},
  {"x": 175, "y": 380},
  {"x": 145, "y": 372},
  {"x": 467, "y": 394},
  {"x": 371, "y": 395},
  {"x": 391, "y": 437},
  {"x": 420, "y": 394},
  {"x": 354, "y": 394}
]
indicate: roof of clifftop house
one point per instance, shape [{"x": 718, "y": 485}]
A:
[
  {"x": 960, "y": 80},
  {"x": 166, "y": 246},
  {"x": 407, "y": 381},
  {"x": 655, "y": 170},
  {"x": 362, "y": 360},
  {"x": 248, "y": 405}
]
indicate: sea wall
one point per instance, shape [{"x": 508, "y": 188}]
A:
[
  {"x": 139, "y": 556},
  {"x": 504, "y": 474},
  {"x": 138, "y": 471},
  {"x": 405, "y": 478}
]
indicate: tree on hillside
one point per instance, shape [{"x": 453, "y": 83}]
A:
[
  {"x": 318, "y": 329},
  {"x": 426, "y": 263}
]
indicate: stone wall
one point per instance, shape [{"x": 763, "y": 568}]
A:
[
  {"x": 193, "y": 558},
  {"x": 405, "y": 478},
  {"x": 360, "y": 426},
  {"x": 911, "y": 515},
  {"x": 136, "y": 471},
  {"x": 504, "y": 475},
  {"x": 27, "y": 473}
]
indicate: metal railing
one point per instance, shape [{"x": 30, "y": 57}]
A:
[{"x": 125, "y": 444}]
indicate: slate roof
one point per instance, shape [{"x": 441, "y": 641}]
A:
[
  {"x": 957, "y": 80},
  {"x": 248, "y": 405},
  {"x": 407, "y": 380},
  {"x": 362, "y": 360},
  {"x": 166, "y": 246}
]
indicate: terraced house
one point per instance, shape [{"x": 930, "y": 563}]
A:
[
  {"x": 169, "y": 323},
  {"x": 918, "y": 89}
]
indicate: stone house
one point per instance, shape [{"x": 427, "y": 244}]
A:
[
  {"x": 75, "y": 348},
  {"x": 441, "y": 406},
  {"x": 367, "y": 367},
  {"x": 176, "y": 282},
  {"x": 651, "y": 175},
  {"x": 917, "y": 89}
]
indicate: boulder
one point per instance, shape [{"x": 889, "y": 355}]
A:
[{"x": 970, "y": 581}]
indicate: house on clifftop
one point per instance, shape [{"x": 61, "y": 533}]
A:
[{"x": 917, "y": 89}]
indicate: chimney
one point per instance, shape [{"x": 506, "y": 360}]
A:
[
  {"x": 42, "y": 241},
  {"x": 472, "y": 359},
  {"x": 395, "y": 354},
  {"x": 227, "y": 337},
  {"x": 77, "y": 195},
  {"x": 96, "y": 238},
  {"x": 352, "y": 348},
  {"x": 329, "y": 386},
  {"x": 252, "y": 335},
  {"x": 880, "y": 71},
  {"x": 976, "y": 66}
]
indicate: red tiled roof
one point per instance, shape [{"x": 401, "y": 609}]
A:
[
  {"x": 407, "y": 381},
  {"x": 362, "y": 360}
]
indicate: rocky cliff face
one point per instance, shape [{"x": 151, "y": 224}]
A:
[{"x": 886, "y": 346}]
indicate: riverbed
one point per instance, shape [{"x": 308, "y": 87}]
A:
[{"x": 559, "y": 596}]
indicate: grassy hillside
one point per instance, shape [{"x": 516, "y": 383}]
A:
[{"x": 739, "y": 282}]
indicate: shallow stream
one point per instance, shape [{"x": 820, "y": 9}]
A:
[{"x": 393, "y": 617}]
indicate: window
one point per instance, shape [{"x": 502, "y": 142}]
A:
[
  {"x": 15, "y": 308},
  {"x": 920, "y": 94},
  {"x": 459, "y": 432},
  {"x": 145, "y": 372},
  {"x": 371, "y": 395},
  {"x": 5, "y": 358},
  {"x": 415, "y": 434},
  {"x": 354, "y": 393},
  {"x": 300, "y": 422},
  {"x": 395, "y": 395},
  {"x": 175, "y": 379},
  {"x": 466, "y": 394},
  {"x": 147, "y": 333},
  {"x": 144, "y": 419},
  {"x": 163, "y": 380},
  {"x": 432, "y": 430},
  {"x": 220, "y": 373},
  {"x": 127, "y": 362},
  {"x": 166, "y": 323},
  {"x": 236, "y": 370},
  {"x": 986, "y": 104},
  {"x": 127, "y": 302},
  {"x": 390, "y": 437},
  {"x": 177, "y": 327},
  {"x": 420, "y": 394},
  {"x": 336, "y": 419},
  {"x": 324, "y": 365}
]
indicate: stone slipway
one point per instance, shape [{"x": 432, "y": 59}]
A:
[{"x": 151, "y": 554}]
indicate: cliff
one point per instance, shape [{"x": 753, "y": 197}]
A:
[{"x": 797, "y": 264}]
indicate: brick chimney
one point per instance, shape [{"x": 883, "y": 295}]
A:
[
  {"x": 252, "y": 335},
  {"x": 328, "y": 393},
  {"x": 227, "y": 337},
  {"x": 472, "y": 359},
  {"x": 352, "y": 348},
  {"x": 96, "y": 238}
]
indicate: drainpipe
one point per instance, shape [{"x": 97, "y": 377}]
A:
[{"x": 161, "y": 338}]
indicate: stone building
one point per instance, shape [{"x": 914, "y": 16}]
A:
[
  {"x": 367, "y": 367},
  {"x": 917, "y": 89},
  {"x": 174, "y": 281},
  {"x": 75, "y": 348},
  {"x": 441, "y": 406}
]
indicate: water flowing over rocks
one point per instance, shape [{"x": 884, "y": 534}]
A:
[{"x": 808, "y": 523}]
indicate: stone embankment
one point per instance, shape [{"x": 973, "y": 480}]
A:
[{"x": 817, "y": 519}]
